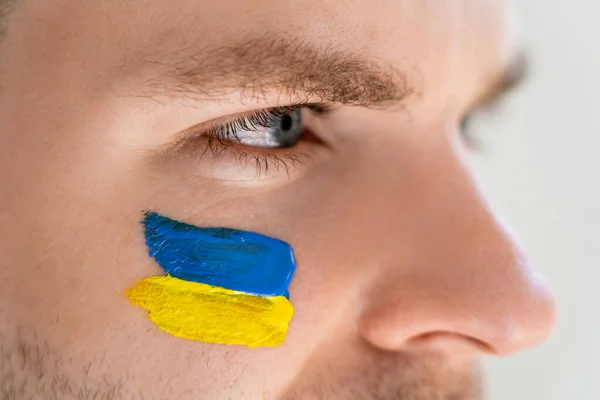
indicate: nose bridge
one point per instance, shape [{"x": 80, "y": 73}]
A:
[{"x": 454, "y": 267}]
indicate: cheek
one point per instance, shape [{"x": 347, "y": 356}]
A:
[
  {"x": 357, "y": 220},
  {"x": 69, "y": 295},
  {"x": 222, "y": 285}
]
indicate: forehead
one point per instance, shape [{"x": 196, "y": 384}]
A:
[{"x": 435, "y": 40}]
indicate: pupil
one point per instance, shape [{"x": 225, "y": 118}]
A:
[{"x": 286, "y": 122}]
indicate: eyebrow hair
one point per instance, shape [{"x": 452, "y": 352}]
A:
[
  {"x": 513, "y": 75},
  {"x": 271, "y": 63}
]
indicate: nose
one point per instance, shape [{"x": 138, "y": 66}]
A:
[{"x": 456, "y": 277}]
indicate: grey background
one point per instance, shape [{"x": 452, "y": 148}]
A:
[{"x": 541, "y": 167}]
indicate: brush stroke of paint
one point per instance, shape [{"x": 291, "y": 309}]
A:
[
  {"x": 212, "y": 314},
  {"x": 238, "y": 260},
  {"x": 222, "y": 285}
]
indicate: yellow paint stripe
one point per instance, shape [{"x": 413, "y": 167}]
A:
[{"x": 212, "y": 314}]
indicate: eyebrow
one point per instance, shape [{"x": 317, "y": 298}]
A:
[
  {"x": 513, "y": 75},
  {"x": 269, "y": 64}
]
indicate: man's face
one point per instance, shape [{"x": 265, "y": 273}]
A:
[{"x": 404, "y": 274}]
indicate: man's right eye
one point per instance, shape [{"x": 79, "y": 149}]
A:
[
  {"x": 272, "y": 140},
  {"x": 270, "y": 128}
]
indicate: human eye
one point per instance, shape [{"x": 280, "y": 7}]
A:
[
  {"x": 473, "y": 125},
  {"x": 279, "y": 127},
  {"x": 265, "y": 142},
  {"x": 469, "y": 134}
]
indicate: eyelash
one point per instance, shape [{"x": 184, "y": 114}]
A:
[
  {"x": 259, "y": 119},
  {"x": 221, "y": 137},
  {"x": 265, "y": 118}
]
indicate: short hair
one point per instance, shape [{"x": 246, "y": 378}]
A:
[{"x": 6, "y": 6}]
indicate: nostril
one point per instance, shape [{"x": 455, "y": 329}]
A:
[{"x": 450, "y": 342}]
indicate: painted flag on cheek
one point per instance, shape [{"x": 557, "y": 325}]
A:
[{"x": 222, "y": 285}]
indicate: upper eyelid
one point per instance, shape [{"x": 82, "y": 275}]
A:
[
  {"x": 249, "y": 121},
  {"x": 219, "y": 125},
  {"x": 227, "y": 131},
  {"x": 241, "y": 116}
]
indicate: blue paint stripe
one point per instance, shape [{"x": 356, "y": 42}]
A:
[{"x": 233, "y": 259}]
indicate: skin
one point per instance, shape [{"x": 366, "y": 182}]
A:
[{"x": 405, "y": 275}]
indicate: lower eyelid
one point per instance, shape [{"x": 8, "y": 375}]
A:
[{"x": 235, "y": 163}]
